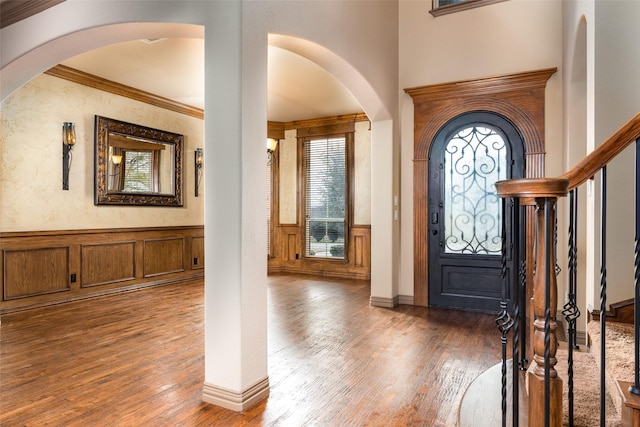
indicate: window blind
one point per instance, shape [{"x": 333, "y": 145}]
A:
[
  {"x": 269, "y": 190},
  {"x": 138, "y": 171},
  {"x": 325, "y": 197}
]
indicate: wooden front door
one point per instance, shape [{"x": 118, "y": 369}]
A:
[{"x": 468, "y": 155}]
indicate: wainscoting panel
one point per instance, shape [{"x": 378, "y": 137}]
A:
[
  {"x": 197, "y": 252},
  {"x": 22, "y": 280},
  {"x": 288, "y": 243},
  {"x": 291, "y": 247},
  {"x": 358, "y": 251},
  {"x": 108, "y": 263},
  {"x": 40, "y": 268},
  {"x": 162, "y": 256}
]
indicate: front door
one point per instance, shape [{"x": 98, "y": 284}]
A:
[{"x": 469, "y": 154}]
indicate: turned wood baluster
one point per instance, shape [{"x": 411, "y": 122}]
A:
[{"x": 545, "y": 303}]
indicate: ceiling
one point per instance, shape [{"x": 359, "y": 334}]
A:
[{"x": 297, "y": 88}]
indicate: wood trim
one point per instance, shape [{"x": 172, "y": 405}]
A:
[
  {"x": 491, "y": 85},
  {"x": 275, "y": 130},
  {"x": 519, "y": 97},
  {"x": 12, "y": 11},
  {"x": 459, "y": 7},
  {"x": 86, "y": 231},
  {"x": 80, "y": 77},
  {"x": 622, "y": 311},
  {"x": 326, "y": 121},
  {"x": 37, "y": 267}
]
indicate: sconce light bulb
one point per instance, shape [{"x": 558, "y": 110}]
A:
[
  {"x": 271, "y": 145},
  {"x": 69, "y": 134}
]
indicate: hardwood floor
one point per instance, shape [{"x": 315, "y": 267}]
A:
[{"x": 136, "y": 359}]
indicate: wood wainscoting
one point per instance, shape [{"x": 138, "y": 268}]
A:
[
  {"x": 49, "y": 267},
  {"x": 288, "y": 254}
]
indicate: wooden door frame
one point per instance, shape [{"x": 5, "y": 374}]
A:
[{"x": 519, "y": 97}]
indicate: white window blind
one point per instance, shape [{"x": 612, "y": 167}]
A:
[
  {"x": 269, "y": 189},
  {"x": 325, "y": 197},
  {"x": 138, "y": 171}
]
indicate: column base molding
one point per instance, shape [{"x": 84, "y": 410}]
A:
[
  {"x": 383, "y": 302},
  {"x": 233, "y": 400}
]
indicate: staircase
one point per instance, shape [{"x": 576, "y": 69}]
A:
[{"x": 534, "y": 326}]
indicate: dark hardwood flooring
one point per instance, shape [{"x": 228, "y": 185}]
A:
[{"x": 136, "y": 359}]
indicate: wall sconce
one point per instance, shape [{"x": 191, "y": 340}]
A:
[
  {"x": 68, "y": 141},
  {"x": 271, "y": 148},
  {"x": 198, "y": 160}
]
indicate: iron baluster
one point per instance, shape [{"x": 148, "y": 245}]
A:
[
  {"x": 603, "y": 294},
  {"x": 504, "y": 320},
  {"x": 515, "y": 244},
  {"x": 571, "y": 311},
  {"x": 635, "y": 388}
]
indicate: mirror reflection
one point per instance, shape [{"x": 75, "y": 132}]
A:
[{"x": 136, "y": 165}]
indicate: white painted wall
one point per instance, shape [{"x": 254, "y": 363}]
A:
[
  {"x": 507, "y": 37},
  {"x": 578, "y": 111},
  {"x": 617, "y": 99}
]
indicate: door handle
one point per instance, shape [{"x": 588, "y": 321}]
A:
[{"x": 434, "y": 218}]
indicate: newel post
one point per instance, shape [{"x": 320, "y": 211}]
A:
[{"x": 545, "y": 386}]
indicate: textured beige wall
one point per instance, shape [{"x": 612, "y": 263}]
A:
[
  {"x": 288, "y": 186},
  {"x": 31, "y": 195},
  {"x": 362, "y": 171}
]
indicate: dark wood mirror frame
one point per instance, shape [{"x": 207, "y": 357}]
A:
[{"x": 105, "y": 129}]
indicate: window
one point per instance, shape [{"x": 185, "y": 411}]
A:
[
  {"x": 138, "y": 172},
  {"x": 269, "y": 211},
  {"x": 325, "y": 196},
  {"x": 444, "y": 7}
]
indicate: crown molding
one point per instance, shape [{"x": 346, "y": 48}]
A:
[
  {"x": 12, "y": 11},
  {"x": 80, "y": 77}
]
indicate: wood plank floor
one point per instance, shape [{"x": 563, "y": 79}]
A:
[{"x": 136, "y": 359}]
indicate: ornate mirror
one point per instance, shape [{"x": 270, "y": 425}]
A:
[{"x": 136, "y": 165}]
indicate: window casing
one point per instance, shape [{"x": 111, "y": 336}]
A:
[{"x": 326, "y": 202}]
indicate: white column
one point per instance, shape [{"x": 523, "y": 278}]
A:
[
  {"x": 383, "y": 274},
  {"x": 235, "y": 215}
]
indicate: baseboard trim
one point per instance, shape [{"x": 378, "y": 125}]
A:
[
  {"x": 383, "y": 302},
  {"x": 405, "y": 299},
  {"x": 321, "y": 273},
  {"x": 233, "y": 400}
]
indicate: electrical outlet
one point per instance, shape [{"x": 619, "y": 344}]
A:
[{"x": 73, "y": 277}]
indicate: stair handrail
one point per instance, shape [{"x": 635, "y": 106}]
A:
[{"x": 604, "y": 153}]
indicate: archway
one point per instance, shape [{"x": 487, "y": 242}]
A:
[{"x": 238, "y": 290}]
